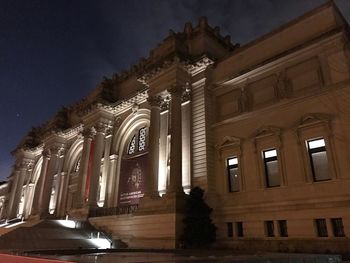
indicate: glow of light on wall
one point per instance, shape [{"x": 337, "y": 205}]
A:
[
  {"x": 67, "y": 223},
  {"x": 101, "y": 243}
]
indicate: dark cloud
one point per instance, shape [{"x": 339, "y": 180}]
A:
[{"x": 52, "y": 53}]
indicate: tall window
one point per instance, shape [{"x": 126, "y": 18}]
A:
[
  {"x": 321, "y": 227},
  {"x": 229, "y": 229},
  {"x": 239, "y": 229},
  {"x": 269, "y": 229},
  {"x": 232, "y": 172},
  {"x": 282, "y": 228},
  {"x": 138, "y": 142},
  {"x": 338, "y": 228},
  {"x": 271, "y": 168},
  {"x": 318, "y": 159}
]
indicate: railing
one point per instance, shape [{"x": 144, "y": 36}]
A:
[{"x": 111, "y": 211}]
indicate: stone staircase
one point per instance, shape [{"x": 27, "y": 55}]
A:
[{"x": 54, "y": 234}]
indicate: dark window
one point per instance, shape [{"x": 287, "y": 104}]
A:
[
  {"x": 269, "y": 229},
  {"x": 229, "y": 229},
  {"x": 338, "y": 228},
  {"x": 282, "y": 228},
  {"x": 138, "y": 142},
  {"x": 239, "y": 229},
  {"x": 271, "y": 168},
  {"x": 321, "y": 227},
  {"x": 232, "y": 171},
  {"x": 318, "y": 160}
]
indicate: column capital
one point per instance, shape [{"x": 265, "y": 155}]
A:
[
  {"x": 155, "y": 101},
  {"x": 176, "y": 90},
  {"x": 46, "y": 154},
  {"x": 57, "y": 149},
  {"x": 113, "y": 157},
  {"x": 103, "y": 126},
  {"x": 26, "y": 164},
  {"x": 89, "y": 132}
]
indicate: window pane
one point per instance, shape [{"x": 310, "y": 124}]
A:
[
  {"x": 142, "y": 139},
  {"x": 232, "y": 161},
  {"x": 338, "y": 228},
  {"x": 239, "y": 229},
  {"x": 321, "y": 227},
  {"x": 272, "y": 176},
  {"x": 269, "y": 228},
  {"x": 270, "y": 153},
  {"x": 316, "y": 143},
  {"x": 132, "y": 145},
  {"x": 234, "y": 179},
  {"x": 320, "y": 166},
  {"x": 282, "y": 226}
]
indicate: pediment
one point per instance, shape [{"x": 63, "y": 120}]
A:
[
  {"x": 268, "y": 130},
  {"x": 228, "y": 141},
  {"x": 311, "y": 118}
]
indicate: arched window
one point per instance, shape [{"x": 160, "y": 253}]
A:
[{"x": 138, "y": 142}]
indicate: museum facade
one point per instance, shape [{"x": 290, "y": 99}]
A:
[{"x": 263, "y": 128}]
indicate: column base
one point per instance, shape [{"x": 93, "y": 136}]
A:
[
  {"x": 151, "y": 203},
  {"x": 175, "y": 201}
]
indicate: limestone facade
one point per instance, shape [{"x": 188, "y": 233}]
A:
[{"x": 263, "y": 128}]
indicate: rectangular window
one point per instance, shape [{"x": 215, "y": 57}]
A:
[
  {"x": 282, "y": 228},
  {"x": 229, "y": 229},
  {"x": 271, "y": 168},
  {"x": 269, "y": 229},
  {"x": 232, "y": 172},
  {"x": 318, "y": 159},
  {"x": 321, "y": 227},
  {"x": 338, "y": 228},
  {"x": 239, "y": 229}
]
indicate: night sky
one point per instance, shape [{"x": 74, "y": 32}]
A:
[{"x": 54, "y": 52}]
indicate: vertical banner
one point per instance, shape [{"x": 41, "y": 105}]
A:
[
  {"x": 89, "y": 171},
  {"x": 132, "y": 180}
]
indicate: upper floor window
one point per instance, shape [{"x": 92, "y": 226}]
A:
[
  {"x": 337, "y": 226},
  {"x": 138, "y": 142},
  {"x": 318, "y": 159},
  {"x": 321, "y": 227},
  {"x": 271, "y": 168},
  {"x": 232, "y": 172}
]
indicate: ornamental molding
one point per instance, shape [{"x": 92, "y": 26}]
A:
[
  {"x": 312, "y": 118},
  {"x": 267, "y": 131},
  {"x": 228, "y": 141},
  {"x": 126, "y": 104},
  {"x": 198, "y": 66}
]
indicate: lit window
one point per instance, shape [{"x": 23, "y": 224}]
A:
[
  {"x": 318, "y": 160},
  {"x": 239, "y": 229},
  {"x": 132, "y": 145},
  {"x": 271, "y": 168},
  {"x": 338, "y": 228},
  {"x": 321, "y": 227},
  {"x": 269, "y": 229},
  {"x": 282, "y": 228},
  {"x": 142, "y": 139},
  {"x": 232, "y": 172}
]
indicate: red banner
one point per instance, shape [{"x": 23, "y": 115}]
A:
[{"x": 132, "y": 180}]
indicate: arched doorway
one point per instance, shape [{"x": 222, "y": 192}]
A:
[{"x": 133, "y": 167}]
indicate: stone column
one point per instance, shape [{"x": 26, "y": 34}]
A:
[
  {"x": 88, "y": 134},
  {"x": 59, "y": 200},
  {"x": 101, "y": 129},
  {"x": 113, "y": 185},
  {"x": 106, "y": 178},
  {"x": 39, "y": 188},
  {"x": 52, "y": 169},
  {"x": 14, "y": 182},
  {"x": 24, "y": 166},
  {"x": 176, "y": 140},
  {"x": 153, "y": 148}
]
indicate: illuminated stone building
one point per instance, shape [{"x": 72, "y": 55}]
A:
[{"x": 264, "y": 128}]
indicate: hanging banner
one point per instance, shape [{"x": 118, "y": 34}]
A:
[{"x": 132, "y": 180}]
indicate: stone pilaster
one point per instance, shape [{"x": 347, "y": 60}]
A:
[
  {"x": 88, "y": 134},
  {"x": 25, "y": 165},
  {"x": 39, "y": 187},
  {"x": 101, "y": 129},
  {"x": 176, "y": 140}
]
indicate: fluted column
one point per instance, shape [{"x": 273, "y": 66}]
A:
[
  {"x": 153, "y": 148},
  {"x": 176, "y": 140},
  {"x": 101, "y": 130},
  {"x": 52, "y": 169},
  {"x": 24, "y": 167},
  {"x": 84, "y": 165},
  {"x": 14, "y": 186},
  {"x": 113, "y": 183},
  {"x": 39, "y": 188},
  {"x": 105, "y": 175}
]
